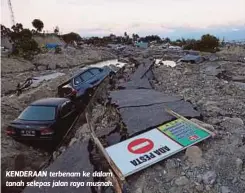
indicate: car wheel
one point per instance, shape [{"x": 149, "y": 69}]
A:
[{"x": 88, "y": 95}]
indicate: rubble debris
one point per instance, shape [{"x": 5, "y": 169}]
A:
[
  {"x": 234, "y": 121},
  {"x": 72, "y": 58},
  {"x": 192, "y": 59},
  {"x": 205, "y": 125},
  {"x": 194, "y": 155},
  {"x": 169, "y": 63},
  {"x": 36, "y": 81},
  {"x": 15, "y": 65},
  {"x": 209, "y": 178},
  {"x": 199, "y": 85},
  {"x": 192, "y": 52},
  {"x": 225, "y": 189},
  {"x": 181, "y": 181},
  {"x": 239, "y": 164},
  {"x": 79, "y": 163}
]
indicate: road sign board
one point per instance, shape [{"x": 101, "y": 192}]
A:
[
  {"x": 141, "y": 145},
  {"x": 142, "y": 151},
  {"x": 146, "y": 149},
  {"x": 183, "y": 132}
]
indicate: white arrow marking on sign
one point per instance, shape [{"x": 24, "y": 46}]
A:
[{"x": 140, "y": 145}]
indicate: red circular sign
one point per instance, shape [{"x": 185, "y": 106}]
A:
[{"x": 140, "y": 146}]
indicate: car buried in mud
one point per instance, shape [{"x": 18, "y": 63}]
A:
[
  {"x": 44, "y": 119},
  {"x": 82, "y": 85}
]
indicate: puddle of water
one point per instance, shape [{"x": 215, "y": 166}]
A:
[
  {"x": 39, "y": 79},
  {"x": 170, "y": 63},
  {"x": 107, "y": 63},
  {"x": 113, "y": 64}
]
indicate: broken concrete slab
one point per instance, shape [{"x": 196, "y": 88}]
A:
[
  {"x": 142, "y": 70},
  {"x": 74, "y": 159},
  {"x": 139, "y": 84},
  {"x": 192, "y": 58},
  {"x": 139, "y": 119},
  {"x": 140, "y": 78},
  {"x": 140, "y": 97},
  {"x": 238, "y": 79}
]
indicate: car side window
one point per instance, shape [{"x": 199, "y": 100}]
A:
[
  {"x": 77, "y": 80},
  {"x": 66, "y": 108},
  {"x": 95, "y": 70},
  {"x": 86, "y": 75}
]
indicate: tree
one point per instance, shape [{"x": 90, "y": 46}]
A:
[
  {"x": 135, "y": 37},
  {"x": 5, "y": 31},
  {"x": 18, "y": 27},
  {"x": 166, "y": 40},
  {"x": 56, "y": 30},
  {"x": 23, "y": 44},
  {"x": 70, "y": 37},
  {"x": 183, "y": 41},
  {"x": 207, "y": 43},
  {"x": 150, "y": 38},
  {"x": 38, "y": 24}
]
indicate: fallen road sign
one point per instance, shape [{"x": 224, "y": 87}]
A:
[
  {"x": 183, "y": 132},
  {"x": 141, "y": 145},
  {"x": 144, "y": 150}
]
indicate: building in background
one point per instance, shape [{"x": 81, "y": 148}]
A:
[{"x": 141, "y": 44}]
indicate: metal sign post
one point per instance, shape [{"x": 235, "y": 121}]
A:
[
  {"x": 107, "y": 157},
  {"x": 188, "y": 121}
]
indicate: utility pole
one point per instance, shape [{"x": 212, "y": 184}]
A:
[{"x": 11, "y": 12}]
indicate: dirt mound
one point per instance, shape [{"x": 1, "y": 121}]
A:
[
  {"x": 233, "y": 49},
  {"x": 48, "y": 39},
  {"x": 222, "y": 105},
  {"x": 72, "y": 57},
  {"x": 11, "y": 108},
  {"x": 12, "y": 65}
]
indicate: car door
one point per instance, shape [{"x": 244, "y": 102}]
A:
[{"x": 67, "y": 115}]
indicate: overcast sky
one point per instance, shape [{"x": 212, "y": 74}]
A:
[{"x": 102, "y": 17}]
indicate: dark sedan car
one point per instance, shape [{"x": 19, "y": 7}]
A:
[
  {"x": 48, "y": 119},
  {"x": 82, "y": 85}
]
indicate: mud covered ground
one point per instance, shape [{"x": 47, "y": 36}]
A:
[
  {"x": 214, "y": 87},
  {"x": 22, "y": 156},
  {"x": 216, "y": 165}
]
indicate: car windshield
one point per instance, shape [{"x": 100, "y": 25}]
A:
[{"x": 38, "y": 113}]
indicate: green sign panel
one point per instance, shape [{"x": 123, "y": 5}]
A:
[{"x": 183, "y": 132}]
